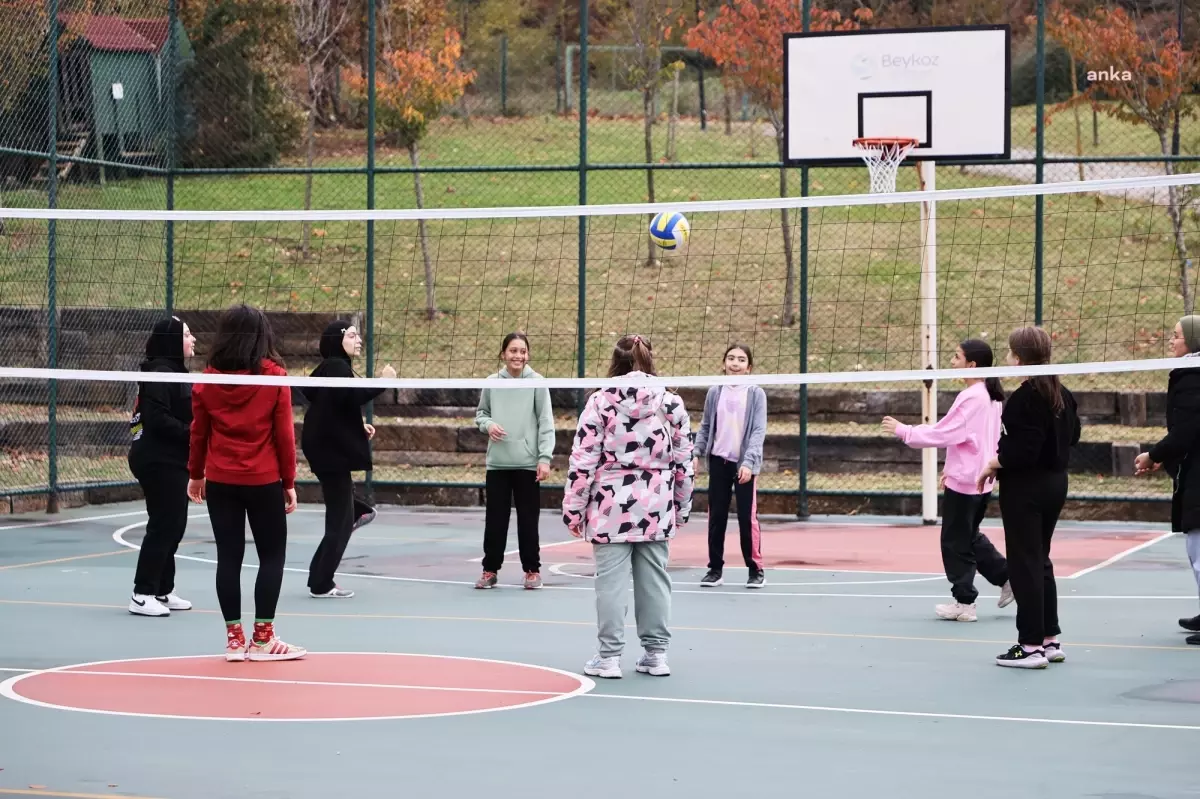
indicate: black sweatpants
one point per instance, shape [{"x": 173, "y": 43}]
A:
[
  {"x": 229, "y": 506},
  {"x": 722, "y": 488},
  {"x": 165, "y": 489},
  {"x": 965, "y": 549},
  {"x": 506, "y": 488},
  {"x": 1029, "y": 505},
  {"x": 342, "y": 508}
]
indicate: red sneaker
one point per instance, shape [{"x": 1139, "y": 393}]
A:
[
  {"x": 267, "y": 646},
  {"x": 235, "y": 643}
]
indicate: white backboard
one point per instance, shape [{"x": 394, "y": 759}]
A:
[{"x": 946, "y": 87}]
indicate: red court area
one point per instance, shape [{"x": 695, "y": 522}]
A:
[
  {"x": 341, "y": 686},
  {"x": 885, "y": 549}
]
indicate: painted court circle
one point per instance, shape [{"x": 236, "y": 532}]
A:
[{"x": 329, "y": 686}]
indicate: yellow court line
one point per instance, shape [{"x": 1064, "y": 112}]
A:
[
  {"x": 23, "y": 792},
  {"x": 67, "y": 560},
  {"x": 558, "y": 622}
]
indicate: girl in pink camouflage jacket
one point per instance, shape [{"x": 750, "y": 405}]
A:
[{"x": 629, "y": 487}]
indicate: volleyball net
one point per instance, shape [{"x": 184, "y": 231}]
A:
[{"x": 852, "y": 307}]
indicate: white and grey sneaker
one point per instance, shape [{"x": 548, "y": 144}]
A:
[
  {"x": 956, "y": 611},
  {"x": 608, "y": 668},
  {"x": 1054, "y": 652},
  {"x": 174, "y": 602},
  {"x": 654, "y": 664},
  {"x": 1006, "y": 596},
  {"x": 333, "y": 593},
  {"x": 146, "y": 605},
  {"x": 364, "y": 520}
]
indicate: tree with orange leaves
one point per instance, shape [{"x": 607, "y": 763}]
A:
[
  {"x": 417, "y": 83},
  {"x": 1148, "y": 80},
  {"x": 745, "y": 38}
]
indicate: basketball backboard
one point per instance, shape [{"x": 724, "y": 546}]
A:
[{"x": 946, "y": 87}]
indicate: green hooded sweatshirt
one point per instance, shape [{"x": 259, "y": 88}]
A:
[{"x": 527, "y": 418}]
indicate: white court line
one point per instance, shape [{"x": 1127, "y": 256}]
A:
[
  {"x": 542, "y": 546},
  {"x": 903, "y": 713},
  {"x": 73, "y": 520},
  {"x": 319, "y": 683},
  {"x": 557, "y": 568},
  {"x": 118, "y": 537},
  {"x": 18, "y": 671},
  {"x": 1119, "y": 556}
]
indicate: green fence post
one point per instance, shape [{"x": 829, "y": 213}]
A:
[
  {"x": 1038, "y": 163},
  {"x": 370, "y": 332},
  {"x": 504, "y": 75},
  {"x": 581, "y": 316},
  {"x": 52, "y": 259},
  {"x": 171, "y": 78},
  {"x": 802, "y": 454}
]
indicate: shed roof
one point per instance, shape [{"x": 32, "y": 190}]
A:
[{"x": 118, "y": 34}]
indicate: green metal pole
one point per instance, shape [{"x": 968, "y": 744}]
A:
[
  {"x": 370, "y": 331},
  {"x": 52, "y": 259},
  {"x": 172, "y": 132},
  {"x": 1039, "y": 163},
  {"x": 504, "y": 75},
  {"x": 802, "y": 466},
  {"x": 581, "y": 320}
]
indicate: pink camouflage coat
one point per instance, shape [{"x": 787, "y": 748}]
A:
[{"x": 630, "y": 475}]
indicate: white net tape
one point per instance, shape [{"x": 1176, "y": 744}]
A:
[{"x": 883, "y": 157}]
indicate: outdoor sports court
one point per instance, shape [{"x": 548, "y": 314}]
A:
[{"x": 422, "y": 684}]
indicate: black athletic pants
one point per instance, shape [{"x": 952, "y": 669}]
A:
[
  {"x": 1030, "y": 505},
  {"x": 506, "y": 488},
  {"x": 342, "y": 509},
  {"x": 965, "y": 549},
  {"x": 165, "y": 489},
  {"x": 722, "y": 488},
  {"x": 229, "y": 506}
]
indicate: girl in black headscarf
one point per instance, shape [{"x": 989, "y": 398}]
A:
[
  {"x": 335, "y": 441},
  {"x": 158, "y": 456}
]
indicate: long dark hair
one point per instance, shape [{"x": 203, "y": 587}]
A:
[
  {"x": 978, "y": 352},
  {"x": 632, "y": 354},
  {"x": 244, "y": 339},
  {"x": 1032, "y": 347}
]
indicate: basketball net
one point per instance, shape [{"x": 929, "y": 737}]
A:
[{"x": 883, "y": 157}]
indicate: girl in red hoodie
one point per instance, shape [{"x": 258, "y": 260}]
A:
[{"x": 243, "y": 461}]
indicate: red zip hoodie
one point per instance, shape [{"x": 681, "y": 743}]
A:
[{"x": 243, "y": 435}]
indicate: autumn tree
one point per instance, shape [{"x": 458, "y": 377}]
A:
[
  {"x": 745, "y": 38},
  {"x": 418, "y": 82},
  {"x": 1152, "y": 78}
]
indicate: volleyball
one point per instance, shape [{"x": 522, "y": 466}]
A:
[{"x": 669, "y": 230}]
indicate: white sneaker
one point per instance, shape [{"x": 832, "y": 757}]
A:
[
  {"x": 956, "y": 611},
  {"x": 608, "y": 668},
  {"x": 654, "y": 664},
  {"x": 333, "y": 593},
  {"x": 174, "y": 602},
  {"x": 146, "y": 605},
  {"x": 1006, "y": 596}
]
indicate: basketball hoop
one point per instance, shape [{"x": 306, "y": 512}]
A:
[{"x": 883, "y": 156}]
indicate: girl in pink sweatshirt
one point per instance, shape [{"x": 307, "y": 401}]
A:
[{"x": 970, "y": 432}]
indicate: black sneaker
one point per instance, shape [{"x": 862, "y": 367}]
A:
[
  {"x": 1018, "y": 658},
  {"x": 1191, "y": 625},
  {"x": 756, "y": 580},
  {"x": 1194, "y": 640},
  {"x": 712, "y": 579}
]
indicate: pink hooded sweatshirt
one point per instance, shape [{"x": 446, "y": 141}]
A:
[{"x": 970, "y": 432}]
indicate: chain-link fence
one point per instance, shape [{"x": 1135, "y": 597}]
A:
[{"x": 262, "y": 104}]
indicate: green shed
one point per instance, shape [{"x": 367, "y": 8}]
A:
[{"x": 113, "y": 103}]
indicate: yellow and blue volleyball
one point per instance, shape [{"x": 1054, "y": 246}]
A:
[{"x": 669, "y": 230}]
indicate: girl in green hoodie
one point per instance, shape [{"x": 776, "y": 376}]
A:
[{"x": 519, "y": 424}]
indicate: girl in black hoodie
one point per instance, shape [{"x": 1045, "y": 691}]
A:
[
  {"x": 158, "y": 456},
  {"x": 335, "y": 441}
]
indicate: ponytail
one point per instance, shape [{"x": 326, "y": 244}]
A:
[
  {"x": 978, "y": 352},
  {"x": 632, "y": 354}
]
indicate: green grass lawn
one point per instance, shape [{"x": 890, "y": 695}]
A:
[{"x": 1110, "y": 284}]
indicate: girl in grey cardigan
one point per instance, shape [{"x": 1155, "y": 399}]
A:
[{"x": 731, "y": 437}]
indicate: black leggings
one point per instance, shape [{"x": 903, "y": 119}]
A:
[
  {"x": 229, "y": 506},
  {"x": 1030, "y": 505},
  {"x": 506, "y": 488},
  {"x": 165, "y": 489},
  {"x": 342, "y": 508},
  {"x": 723, "y": 487}
]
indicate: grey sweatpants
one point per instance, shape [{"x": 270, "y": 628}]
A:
[{"x": 651, "y": 594}]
